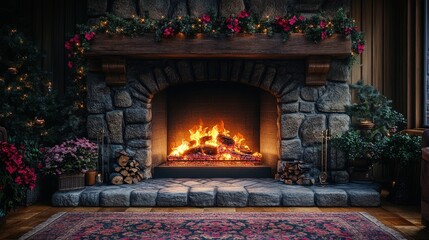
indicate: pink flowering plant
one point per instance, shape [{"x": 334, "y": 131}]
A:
[
  {"x": 71, "y": 157},
  {"x": 16, "y": 177}
]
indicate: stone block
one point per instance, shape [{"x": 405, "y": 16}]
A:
[
  {"x": 124, "y": 8},
  {"x": 335, "y": 97},
  {"x": 232, "y": 197},
  {"x": 271, "y": 8},
  {"x": 95, "y": 124},
  {"x": 139, "y": 143},
  {"x": 338, "y": 123},
  {"x": 160, "y": 78},
  {"x": 230, "y": 7},
  {"x": 66, "y": 198},
  {"x": 144, "y": 157},
  {"x": 138, "y": 131},
  {"x": 247, "y": 71},
  {"x": 144, "y": 197},
  {"x": 98, "y": 98},
  {"x": 172, "y": 75},
  {"x": 118, "y": 197},
  {"x": 202, "y": 196},
  {"x": 268, "y": 78},
  {"x": 236, "y": 70},
  {"x": 180, "y": 8},
  {"x": 312, "y": 155},
  {"x": 363, "y": 197},
  {"x": 263, "y": 196},
  {"x": 90, "y": 198},
  {"x": 96, "y": 7},
  {"x": 185, "y": 72},
  {"x": 290, "y": 124},
  {"x": 155, "y": 8},
  {"x": 114, "y": 123},
  {"x": 312, "y": 127},
  {"x": 297, "y": 196},
  {"x": 197, "y": 7},
  {"x": 256, "y": 77},
  {"x": 147, "y": 79},
  {"x": 310, "y": 94},
  {"x": 289, "y": 107},
  {"x": 200, "y": 70},
  {"x": 291, "y": 96},
  {"x": 340, "y": 70},
  {"x": 138, "y": 115},
  {"x": 122, "y": 99},
  {"x": 173, "y": 196},
  {"x": 306, "y": 107},
  {"x": 291, "y": 149},
  {"x": 330, "y": 197},
  {"x": 340, "y": 176}
]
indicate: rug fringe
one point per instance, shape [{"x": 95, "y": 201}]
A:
[
  {"x": 41, "y": 226},
  {"x": 393, "y": 232}
]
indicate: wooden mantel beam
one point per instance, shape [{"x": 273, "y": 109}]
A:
[{"x": 243, "y": 46}]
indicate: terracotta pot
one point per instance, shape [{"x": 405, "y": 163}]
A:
[
  {"x": 90, "y": 177},
  {"x": 366, "y": 125}
]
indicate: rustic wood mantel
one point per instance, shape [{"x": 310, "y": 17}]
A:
[{"x": 112, "y": 51}]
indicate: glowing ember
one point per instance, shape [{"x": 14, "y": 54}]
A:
[{"x": 213, "y": 144}]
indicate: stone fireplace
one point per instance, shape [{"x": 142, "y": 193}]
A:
[{"x": 145, "y": 96}]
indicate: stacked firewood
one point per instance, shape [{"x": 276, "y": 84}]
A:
[
  {"x": 126, "y": 170},
  {"x": 294, "y": 173}
]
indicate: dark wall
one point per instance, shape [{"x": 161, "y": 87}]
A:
[{"x": 48, "y": 23}]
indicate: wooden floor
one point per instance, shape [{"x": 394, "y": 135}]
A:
[{"x": 405, "y": 219}]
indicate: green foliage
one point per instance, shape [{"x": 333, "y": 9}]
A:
[
  {"x": 372, "y": 105},
  {"x": 403, "y": 149}
]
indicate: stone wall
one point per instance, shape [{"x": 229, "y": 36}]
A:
[
  {"x": 225, "y": 8},
  {"x": 303, "y": 111}
]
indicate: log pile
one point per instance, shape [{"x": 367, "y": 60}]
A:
[
  {"x": 126, "y": 170},
  {"x": 294, "y": 173}
]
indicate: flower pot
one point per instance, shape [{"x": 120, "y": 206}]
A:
[
  {"x": 366, "y": 125},
  {"x": 90, "y": 177},
  {"x": 71, "y": 182},
  {"x": 361, "y": 170}
]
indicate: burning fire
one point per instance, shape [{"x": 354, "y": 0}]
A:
[{"x": 213, "y": 144}]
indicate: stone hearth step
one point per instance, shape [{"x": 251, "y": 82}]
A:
[
  {"x": 225, "y": 192},
  {"x": 163, "y": 171}
]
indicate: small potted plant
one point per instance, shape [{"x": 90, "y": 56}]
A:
[
  {"x": 69, "y": 161},
  {"x": 16, "y": 177}
]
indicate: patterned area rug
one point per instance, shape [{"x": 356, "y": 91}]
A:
[{"x": 135, "y": 225}]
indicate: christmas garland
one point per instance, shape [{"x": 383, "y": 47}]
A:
[{"x": 315, "y": 29}]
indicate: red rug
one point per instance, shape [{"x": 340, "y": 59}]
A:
[{"x": 135, "y": 225}]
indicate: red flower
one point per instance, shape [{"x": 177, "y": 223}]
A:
[
  {"x": 324, "y": 35},
  {"x": 233, "y": 24},
  {"x": 68, "y": 46},
  {"x": 168, "y": 32},
  {"x": 292, "y": 20},
  {"x": 322, "y": 24},
  {"x": 302, "y": 18},
  {"x": 243, "y": 14},
  {"x": 361, "y": 48},
  {"x": 206, "y": 18},
  {"x": 70, "y": 64},
  {"x": 347, "y": 31},
  {"x": 89, "y": 36}
]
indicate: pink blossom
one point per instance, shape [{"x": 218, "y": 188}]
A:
[
  {"x": 243, "y": 14},
  {"x": 89, "y": 36},
  {"x": 69, "y": 64},
  {"x": 68, "y": 46},
  {"x": 322, "y": 24},
  {"x": 168, "y": 32},
  {"x": 233, "y": 24},
  {"x": 347, "y": 31},
  {"x": 302, "y": 18},
  {"x": 206, "y": 18},
  {"x": 361, "y": 48},
  {"x": 292, "y": 20},
  {"x": 324, "y": 35}
]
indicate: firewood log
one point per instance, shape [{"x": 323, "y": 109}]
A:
[
  {"x": 124, "y": 173},
  {"x": 116, "y": 167},
  {"x": 299, "y": 181},
  {"x": 229, "y": 141},
  {"x": 135, "y": 180},
  {"x": 139, "y": 178},
  {"x": 204, "y": 139},
  {"x": 209, "y": 150},
  {"x": 193, "y": 150},
  {"x": 116, "y": 178},
  {"x": 140, "y": 174},
  {"x": 133, "y": 169},
  {"x": 123, "y": 160},
  {"x": 128, "y": 180},
  {"x": 288, "y": 181}
]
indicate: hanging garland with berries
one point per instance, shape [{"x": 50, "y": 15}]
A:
[{"x": 315, "y": 29}]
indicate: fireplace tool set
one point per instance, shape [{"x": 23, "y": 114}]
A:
[
  {"x": 325, "y": 135},
  {"x": 103, "y": 157}
]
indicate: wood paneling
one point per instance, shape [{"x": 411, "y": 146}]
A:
[{"x": 392, "y": 61}]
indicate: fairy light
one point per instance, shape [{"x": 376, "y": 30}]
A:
[
  {"x": 179, "y": 17},
  {"x": 24, "y": 97},
  {"x": 142, "y": 20},
  {"x": 9, "y": 88}
]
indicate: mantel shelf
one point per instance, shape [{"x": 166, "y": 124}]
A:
[
  {"x": 241, "y": 46},
  {"x": 111, "y": 52}
]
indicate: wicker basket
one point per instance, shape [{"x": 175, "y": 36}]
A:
[{"x": 71, "y": 182}]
